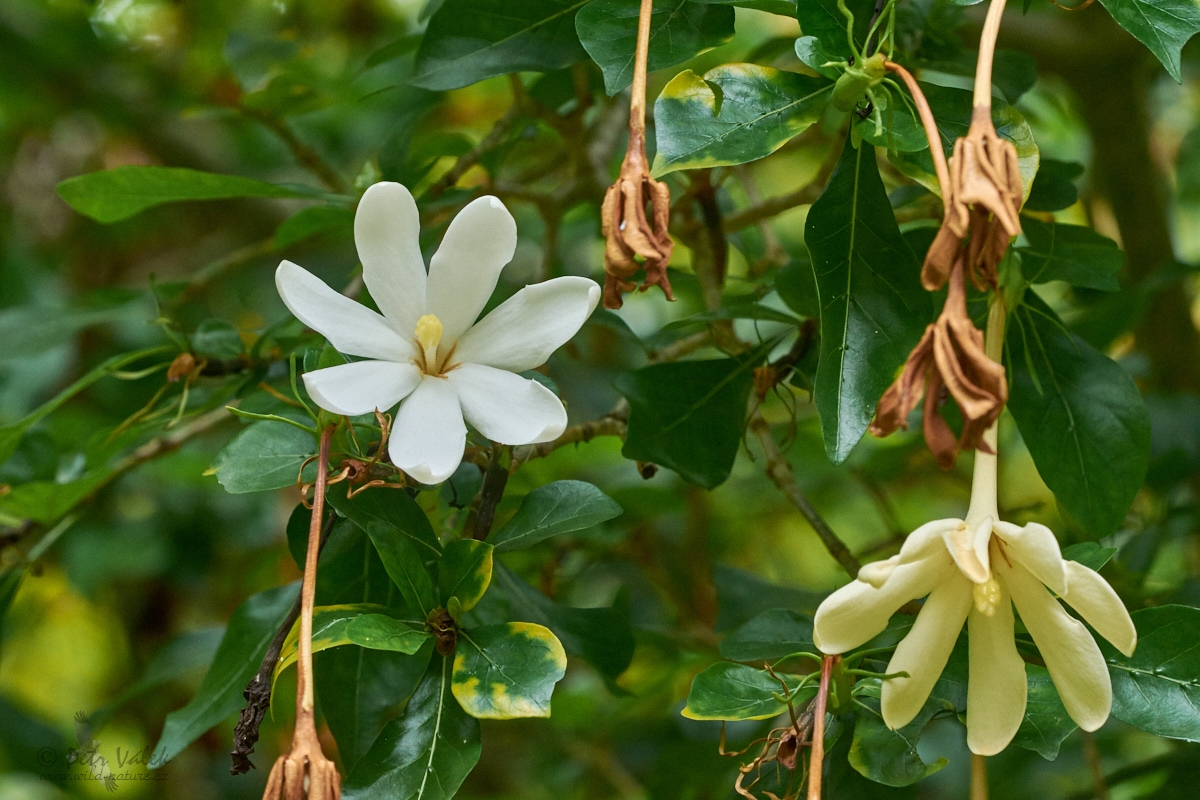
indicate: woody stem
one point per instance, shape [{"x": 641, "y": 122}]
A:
[
  {"x": 305, "y": 722},
  {"x": 637, "y": 102},
  {"x": 983, "y": 481},
  {"x": 928, "y": 123},
  {"x": 816, "y": 760},
  {"x": 987, "y": 53}
]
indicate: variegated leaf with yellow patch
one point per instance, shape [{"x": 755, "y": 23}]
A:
[
  {"x": 465, "y": 572},
  {"x": 507, "y": 671}
]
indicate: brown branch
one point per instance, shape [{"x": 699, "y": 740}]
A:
[
  {"x": 221, "y": 268},
  {"x": 611, "y": 424},
  {"x": 752, "y": 215},
  {"x": 307, "y": 157},
  {"x": 1092, "y": 755},
  {"x": 490, "y": 142},
  {"x": 495, "y": 478},
  {"x": 816, "y": 760}
]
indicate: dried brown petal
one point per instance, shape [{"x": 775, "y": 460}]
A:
[
  {"x": 629, "y": 234},
  {"x": 304, "y": 773},
  {"x": 183, "y": 364}
]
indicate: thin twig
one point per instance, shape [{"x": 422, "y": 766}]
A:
[
  {"x": 929, "y": 124},
  {"x": 982, "y": 98},
  {"x": 483, "y": 513},
  {"x": 490, "y": 142},
  {"x": 816, "y": 760},
  {"x": 611, "y": 424},
  {"x": 1092, "y": 755},
  {"x": 308, "y": 158}
]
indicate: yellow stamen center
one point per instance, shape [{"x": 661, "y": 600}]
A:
[
  {"x": 429, "y": 336},
  {"x": 987, "y": 596}
]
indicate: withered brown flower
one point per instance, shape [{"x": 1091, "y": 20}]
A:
[
  {"x": 950, "y": 358},
  {"x": 305, "y": 772},
  {"x": 629, "y": 232}
]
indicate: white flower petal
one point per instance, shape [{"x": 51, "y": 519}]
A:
[
  {"x": 507, "y": 408},
  {"x": 525, "y": 329},
  {"x": 927, "y": 540},
  {"x": 387, "y": 228},
  {"x": 877, "y": 572},
  {"x": 349, "y": 326},
  {"x": 997, "y": 689},
  {"x": 924, "y": 651},
  {"x": 362, "y": 387},
  {"x": 464, "y": 270},
  {"x": 1037, "y": 549},
  {"x": 858, "y": 611},
  {"x": 429, "y": 435},
  {"x": 1075, "y": 663},
  {"x": 1099, "y": 605},
  {"x": 963, "y": 544}
]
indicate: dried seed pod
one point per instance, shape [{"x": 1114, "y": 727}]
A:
[{"x": 304, "y": 773}]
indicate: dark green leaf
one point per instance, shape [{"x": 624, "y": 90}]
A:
[
  {"x": 1071, "y": 253},
  {"x": 689, "y": 416},
  {"x": 1158, "y": 688},
  {"x": 886, "y": 756},
  {"x": 404, "y": 566},
  {"x": 873, "y": 308},
  {"x": 1054, "y": 186},
  {"x": 469, "y": 40},
  {"x": 822, "y": 19},
  {"x": 679, "y": 29},
  {"x": 735, "y": 691},
  {"x": 1164, "y": 26},
  {"x": 770, "y": 636},
  {"x": 423, "y": 755},
  {"x": 368, "y": 625},
  {"x": 31, "y": 330},
  {"x": 1081, "y": 417},
  {"x": 310, "y": 222},
  {"x": 507, "y": 671},
  {"x": 812, "y": 54},
  {"x": 112, "y": 195},
  {"x": 393, "y": 509},
  {"x": 742, "y": 595},
  {"x": 266, "y": 455},
  {"x": 1090, "y": 554},
  {"x": 558, "y": 507},
  {"x": 1046, "y": 723},
  {"x": 465, "y": 572},
  {"x": 733, "y": 114},
  {"x": 216, "y": 338},
  {"x": 785, "y": 8}
]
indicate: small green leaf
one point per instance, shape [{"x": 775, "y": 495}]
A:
[
  {"x": 266, "y": 455},
  {"x": 465, "y": 572},
  {"x": 873, "y": 308},
  {"x": 1046, "y": 723},
  {"x": 1081, "y": 417},
  {"x": 890, "y": 756},
  {"x": 112, "y": 195},
  {"x": 689, "y": 416},
  {"x": 679, "y": 30},
  {"x": 770, "y": 636},
  {"x": 823, "y": 19},
  {"x": 733, "y": 114},
  {"x": 1090, "y": 554},
  {"x": 426, "y": 753},
  {"x": 312, "y": 221},
  {"x": 1164, "y": 26},
  {"x": 1054, "y": 186},
  {"x": 507, "y": 671},
  {"x": 368, "y": 625},
  {"x": 1157, "y": 689},
  {"x": 728, "y": 691},
  {"x": 1071, "y": 253},
  {"x": 404, "y": 566},
  {"x": 553, "y": 509},
  {"x": 469, "y": 40},
  {"x": 393, "y": 509}
]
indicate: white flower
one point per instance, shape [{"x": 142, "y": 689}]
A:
[
  {"x": 976, "y": 570},
  {"x": 426, "y": 349}
]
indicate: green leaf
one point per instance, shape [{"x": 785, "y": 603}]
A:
[
  {"x": 368, "y": 625},
  {"x": 250, "y": 630},
  {"x": 465, "y": 572},
  {"x": 1054, "y": 186},
  {"x": 48, "y": 501},
  {"x": 112, "y": 195},
  {"x": 34, "y": 329},
  {"x": 469, "y": 40},
  {"x": 679, "y": 30},
  {"x": 600, "y": 636},
  {"x": 812, "y": 54},
  {"x": 266, "y": 455},
  {"x": 689, "y": 416},
  {"x": 873, "y": 308},
  {"x": 1046, "y": 723},
  {"x": 1090, "y": 554},
  {"x": 404, "y": 566},
  {"x": 1158, "y": 688},
  {"x": 784, "y": 8},
  {"x": 1071, "y": 253},
  {"x": 1164, "y": 26},
  {"x": 770, "y": 636},
  {"x": 733, "y": 114},
  {"x": 312, "y": 221},
  {"x": 822, "y": 19},
  {"x": 728, "y": 691},
  {"x": 886, "y": 756},
  {"x": 558, "y": 507},
  {"x": 425, "y": 754},
  {"x": 393, "y": 509},
  {"x": 1081, "y": 417},
  {"x": 216, "y": 338},
  {"x": 507, "y": 671}
]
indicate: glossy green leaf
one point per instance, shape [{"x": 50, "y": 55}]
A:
[
  {"x": 404, "y": 566},
  {"x": 689, "y": 416},
  {"x": 873, "y": 308},
  {"x": 822, "y": 19},
  {"x": 392, "y": 509},
  {"x": 1081, "y": 417},
  {"x": 553, "y": 509},
  {"x": 813, "y": 54},
  {"x": 733, "y": 114},
  {"x": 368, "y": 625},
  {"x": 886, "y": 756},
  {"x": 469, "y": 40},
  {"x": 465, "y": 572},
  {"x": 1157, "y": 689},
  {"x": 250, "y": 630},
  {"x": 785, "y": 8},
  {"x": 1164, "y": 26},
  {"x": 266, "y": 455},
  {"x": 507, "y": 671},
  {"x": 679, "y": 30},
  {"x": 1046, "y": 723},
  {"x": 112, "y": 195},
  {"x": 770, "y": 636},
  {"x": 728, "y": 691},
  {"x": 1090, "y": 554},
  {"x": 1054, "y": 186},
  {"x": 309, "y": 222},
  {"x": 423, "y": 755},
  {"x": 1071, "y": 253}
]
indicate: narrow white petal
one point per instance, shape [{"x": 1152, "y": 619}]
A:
[
  {"x": 927, "y": 540},
  {"x": 1099, "y": 605},
  {"x": 507, "y": 408},
  {"x": 525, "y": 329},
  {"x": 877, "y": 572},
  {"x": 1075, "y": 663},
  {"x": 858, "y": 611},
  {"x": 387, "y": 228},
  {"x": 429, "y": 434},
  {"x": 1037, "y": 549},
  {"x": 464, "y": 270},
  {"x": 963, "y": 544},
  {"x": 362, "y": 387},
  {"x": 997, "y": 689},
  {"x": 349, "y": 326},
  {"x": 924, "y": 651}
]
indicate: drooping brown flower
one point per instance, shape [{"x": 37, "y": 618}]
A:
[
  {"x": 949, "y": 359},
  {"x": 983, "y": 206},
  {"x": 304, "y": 773}
]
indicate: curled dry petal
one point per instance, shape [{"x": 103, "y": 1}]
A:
[
  {"x": 630, "y": 234},
  {"x": 304, "y": 774}
]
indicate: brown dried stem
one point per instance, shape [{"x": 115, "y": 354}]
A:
[
  {"x": 816, "y": 759},
  {"x": 929, "y": 124}
]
